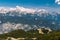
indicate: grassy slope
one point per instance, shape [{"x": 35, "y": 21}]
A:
[{"x": 32, "y": 33}]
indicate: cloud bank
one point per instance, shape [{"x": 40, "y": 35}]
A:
[
  {"x": 21, "y": 10},
  {"x": 17, "y": 9}
]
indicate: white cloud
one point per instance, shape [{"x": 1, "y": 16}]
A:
[
  {"x": 21, "y": 10},
  {"x": 27, "y": 10},
  {"x": 6, "y": 27},
  {"x": 18, "y": 9},
  {"x": 42, "y": 11},
  {"x": 57, "y": 1}
]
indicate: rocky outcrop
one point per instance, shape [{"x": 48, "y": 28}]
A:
[{"x": 44, "y": 30}]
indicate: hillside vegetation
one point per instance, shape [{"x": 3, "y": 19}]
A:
[{"x": 55, "y": 35}]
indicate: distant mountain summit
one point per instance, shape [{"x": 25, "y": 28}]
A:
[{"x": 27, "y": 19}]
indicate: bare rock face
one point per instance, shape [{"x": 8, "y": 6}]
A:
[{"x": 44, "y": 30}]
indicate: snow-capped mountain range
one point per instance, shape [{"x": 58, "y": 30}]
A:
[{"x": 26, "y": 19}]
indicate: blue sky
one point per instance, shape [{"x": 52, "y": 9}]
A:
[{"x": 29, "y": 3}]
